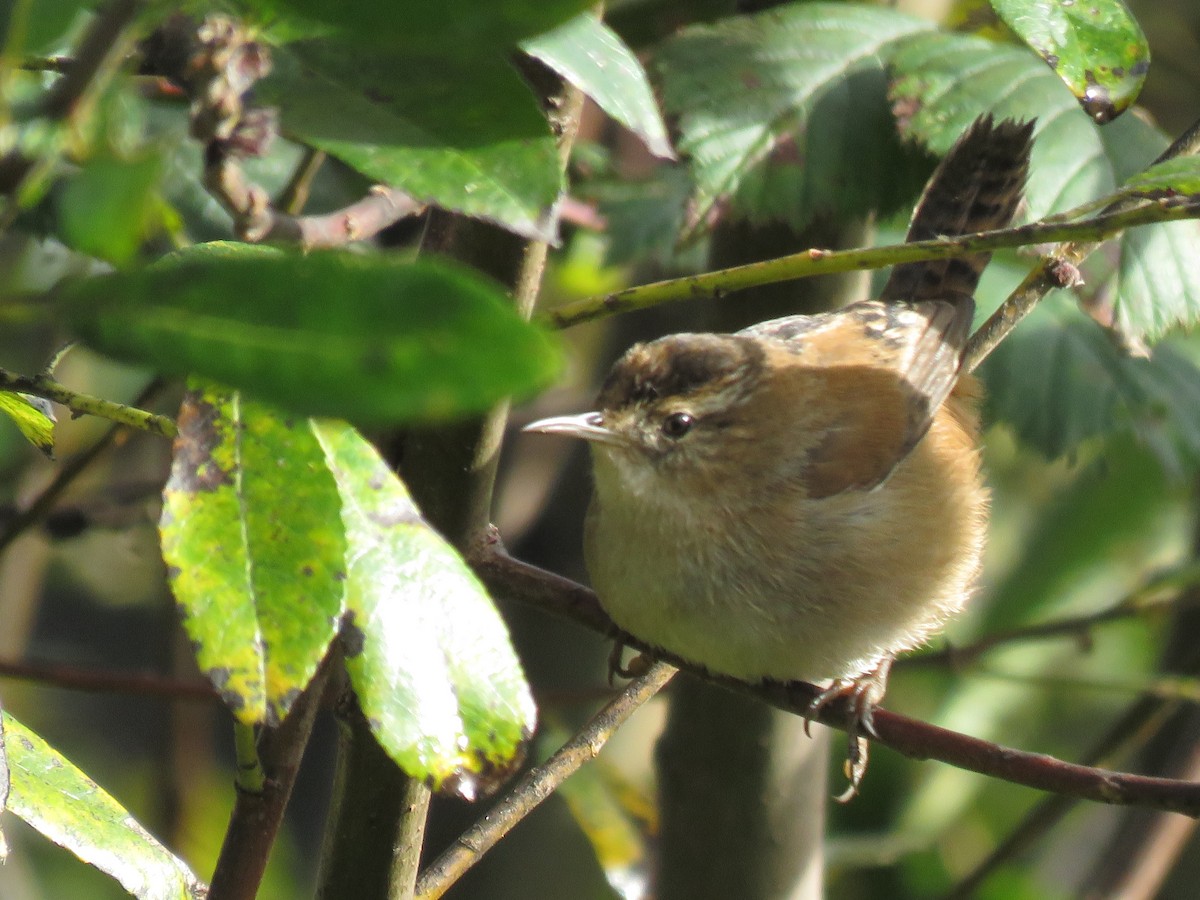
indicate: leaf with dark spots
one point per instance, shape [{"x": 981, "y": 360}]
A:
[
  {"x": 262, "y": 610},
  {"x": 1096, "y": 47},
  {"x": 195, "y": 467}
]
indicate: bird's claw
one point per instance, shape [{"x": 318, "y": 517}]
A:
[
  {"x": 638, "y": 666},
  {"x": 863, "y": 693}
]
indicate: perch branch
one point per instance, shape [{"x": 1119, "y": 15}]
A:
[{"x": 514, "y": 580}]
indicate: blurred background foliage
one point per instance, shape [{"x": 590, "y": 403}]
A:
[{"x": 1092, "y": 458}]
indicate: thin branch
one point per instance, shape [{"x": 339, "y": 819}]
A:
[
  {"x": 514, "y": 580},
  {"x": 1144, "y": 716},
  {"x": 453, "y": 469},
  {"x": 294, "y": 196},
  {"x": 257, "y": 815},
  {"x": 538, "y": 784},
  {"x": 1053, "y": 271},
  {"x": 1143, "y": 602},
  {"x": 1166, "y": 687},
  {"x": 256, "y": 220},
  {"x": 67, "y": 473},
  {"x": 248, "y": 776},
  {"x": 218, "y": 67},
  {"x": 102, "y": 47},
  {"x": 826, "y": 262},
  {"x": 56, "y": 64},
  {"x": 74, "y": 678},
  {"x": 86, "y": 404}
]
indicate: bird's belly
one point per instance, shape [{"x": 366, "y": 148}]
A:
[{"x": 767, "y": 611}]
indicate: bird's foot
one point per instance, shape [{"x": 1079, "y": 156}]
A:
[
  {"x": 638, "y": 666},
  {"x": 863, "y": 692}
]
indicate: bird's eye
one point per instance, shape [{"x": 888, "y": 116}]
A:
[{"x": 676, "y": 425}]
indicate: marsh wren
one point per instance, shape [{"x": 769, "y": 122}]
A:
[{"x": 802, "y": 500}]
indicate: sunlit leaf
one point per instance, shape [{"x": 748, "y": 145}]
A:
[
  {"x": 251, "y": 532},
  {"x": 32, "y": 417},
  {"x": 70, "y": 809},
  {"x": 1096, "y": 47},
  {"x": 593, "y": 57},
  {"x": 358, "y": 336},
  {"x": 427, "y": 653}
]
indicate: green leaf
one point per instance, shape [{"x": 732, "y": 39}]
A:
[
  {"x": 70, "y": 809},
  {"x": 363, "y": 337},
  {"x": 456, "y": 32},
  {"x": 1169, "y": 179},
  {"x": 644, "y": 217},
  {"x": 32, "y": 417},
  {"x": 427, "y": 653},
  {"x": 252, "y": 537},
  {"x": 944, "y": 81},
  {"x": 1060, "y": 381},
  {"x": 470, "y": 140},
  {"x": 591, "y": 56},
  {"x": 39, "y": 26},
  {"x": 1097, "y": 48},
  {"x": 784, "y": 111},
  {"x": 108, "y": 209}
]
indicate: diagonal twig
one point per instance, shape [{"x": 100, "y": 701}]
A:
[{"x": 539, "y": 783}]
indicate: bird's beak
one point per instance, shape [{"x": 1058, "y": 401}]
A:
[{"x": 588, "y": 426}]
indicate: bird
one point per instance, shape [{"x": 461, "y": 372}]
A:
[{"x": 802, "y": 500}]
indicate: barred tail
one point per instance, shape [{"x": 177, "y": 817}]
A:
[{"x": 977, "y": 187}]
